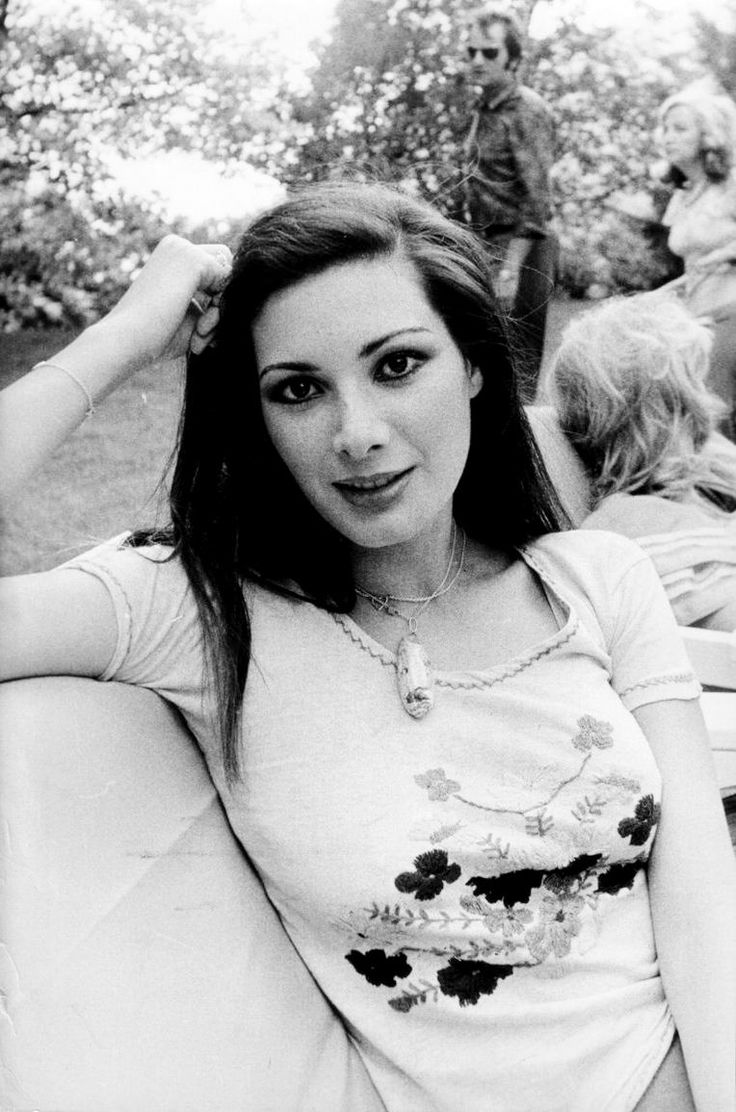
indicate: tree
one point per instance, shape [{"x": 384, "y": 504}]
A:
[
  {"x": 389, "y": 101},
  {"x": 717, "y": 49},
  {"x": 78, "y": 85}
]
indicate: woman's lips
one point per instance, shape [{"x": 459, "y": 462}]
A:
[{"x": 373, "y": 490}]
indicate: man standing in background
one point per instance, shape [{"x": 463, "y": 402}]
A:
[{"x": 509, "y": 154}]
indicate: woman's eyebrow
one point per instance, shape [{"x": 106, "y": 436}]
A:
[
  {"x": 286, "y": 367},
  {"x": 366, "y": 350},
  {"x": 374, "y": 345}
]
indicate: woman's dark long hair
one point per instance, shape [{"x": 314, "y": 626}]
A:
[{"x": 237, "y": 513}]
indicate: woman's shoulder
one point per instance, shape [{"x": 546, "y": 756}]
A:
[
  {"x": 595, "y": 571},
  {"x": 583, "y": 544},
  {"x": 594, "y": 557},
  {"x": 135, "y": 565}
]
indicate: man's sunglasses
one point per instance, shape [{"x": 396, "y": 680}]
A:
[{"x": 490, "y": 53}]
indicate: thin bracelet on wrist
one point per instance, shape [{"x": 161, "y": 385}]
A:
[{"x": 58, "y": 366}]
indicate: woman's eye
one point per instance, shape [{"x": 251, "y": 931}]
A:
[
  {"x": 400, "y": 364},
  {"x": 292, "y": 391}
]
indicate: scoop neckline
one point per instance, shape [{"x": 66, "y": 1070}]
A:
[{"x": 480, "y": 676}]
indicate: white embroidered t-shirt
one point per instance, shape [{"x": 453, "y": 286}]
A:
[{"x": 469, "y": 890}]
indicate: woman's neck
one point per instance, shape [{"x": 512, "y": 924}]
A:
[
  {"x": 696, "y": 176},
  {"x": 412, "y": 568}
]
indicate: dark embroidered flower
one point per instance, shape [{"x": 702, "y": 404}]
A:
[
  {"x": 432, "y": 873},
  {"x": 618, "y": 877},
  {"x": 593, "y": 731},
  {"x": 378, "y": 967},
  {"x": 437, "y": 785},
  {"x": 469, "y": 980},
  {"x": 512, "y": 888},
  {"x": 570, "y": 876},
  {"x": 646, "y": 816},
  {"x": 559, "y": 923}
]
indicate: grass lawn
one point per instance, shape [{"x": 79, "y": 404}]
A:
[{"x": 105, "y": 479}]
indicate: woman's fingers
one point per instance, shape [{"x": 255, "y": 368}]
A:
[
  {"x": 208, "y": 313},
  {"x": 219, "y": 267},
  {"x": 158, "y": 306},
  {"x": 205, "y": 325}
]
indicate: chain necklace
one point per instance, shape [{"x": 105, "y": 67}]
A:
[{"x": 414, "y": 678}]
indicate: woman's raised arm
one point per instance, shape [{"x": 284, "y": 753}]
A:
[{"x": 157, "y": 318}]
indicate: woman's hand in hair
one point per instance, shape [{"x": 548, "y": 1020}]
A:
[{"x": 172, "y": 304}]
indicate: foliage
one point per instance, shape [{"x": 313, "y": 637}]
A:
[
  {"x": 717, "y": 49},
  {"x": 80, "y": 85},
  {"x": 389, "y": 100}
]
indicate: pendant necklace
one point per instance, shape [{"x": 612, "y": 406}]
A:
[{"x": 414, "y": 678}]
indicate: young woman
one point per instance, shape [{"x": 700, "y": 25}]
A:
[
  {"x": 628, "y": 383},
  {"x": 463, "y": 750},
  {"x": 698, "y": 135}
]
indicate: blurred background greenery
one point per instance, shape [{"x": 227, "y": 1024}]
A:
[{"x": 94, "y": 94}]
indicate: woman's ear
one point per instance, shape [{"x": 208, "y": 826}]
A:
[{"x": 475, "y": 377}]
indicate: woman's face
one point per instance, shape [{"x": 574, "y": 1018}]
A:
[
  {"x": 681, "y": 138},
  {"x": 366, "y": 398}
]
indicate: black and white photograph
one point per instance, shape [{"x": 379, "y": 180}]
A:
[{"x": 367, "y": 556}]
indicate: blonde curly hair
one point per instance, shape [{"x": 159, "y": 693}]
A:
[
  {"x": 628, "y": 384},
  {"x": 715, "y": 116}
]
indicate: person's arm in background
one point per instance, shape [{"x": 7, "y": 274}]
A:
[
  {"x": 692, "y": 885},
  {"x": 532, "y": 139},
  {"x": 152, "y": 321},
  {"x": 531, "y": 136}
]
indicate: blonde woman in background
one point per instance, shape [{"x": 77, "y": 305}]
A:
[
  {"x": 628, "y": 382},
  {"x": 698, "y": 137}
]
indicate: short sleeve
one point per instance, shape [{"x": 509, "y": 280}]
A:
[
  {"x": 159, "y": 642},
  {"x": 649, "y": 662}
]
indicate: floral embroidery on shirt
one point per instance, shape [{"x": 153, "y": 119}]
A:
[
  {"x": 414, "y": 995},
  {"x": 593, "y": 731},
  {"x": 378, "y": 967},
  {"x": 494, "y": 848},
  {"x": 646, "y": 817},
  {"x": 500, "y": 907},
  {"x": 509, "y": 921},
  {"x": 587, "y": 809},
  {"x": 559, "y": 924},
  {"x": 513, "y": 902},
  {"x": 619, "y": 876},
  {"x": 433, "y": 871},
  {"x": 437, "y": 784},
  {"x": 540, "y": 824},
  {"x": 469, "y": 980},
  {"x": 511, "y": 888},
  {"x": 444, "y": 832}
]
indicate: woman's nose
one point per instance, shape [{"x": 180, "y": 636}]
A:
[{"x": 360, "y": 427}]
